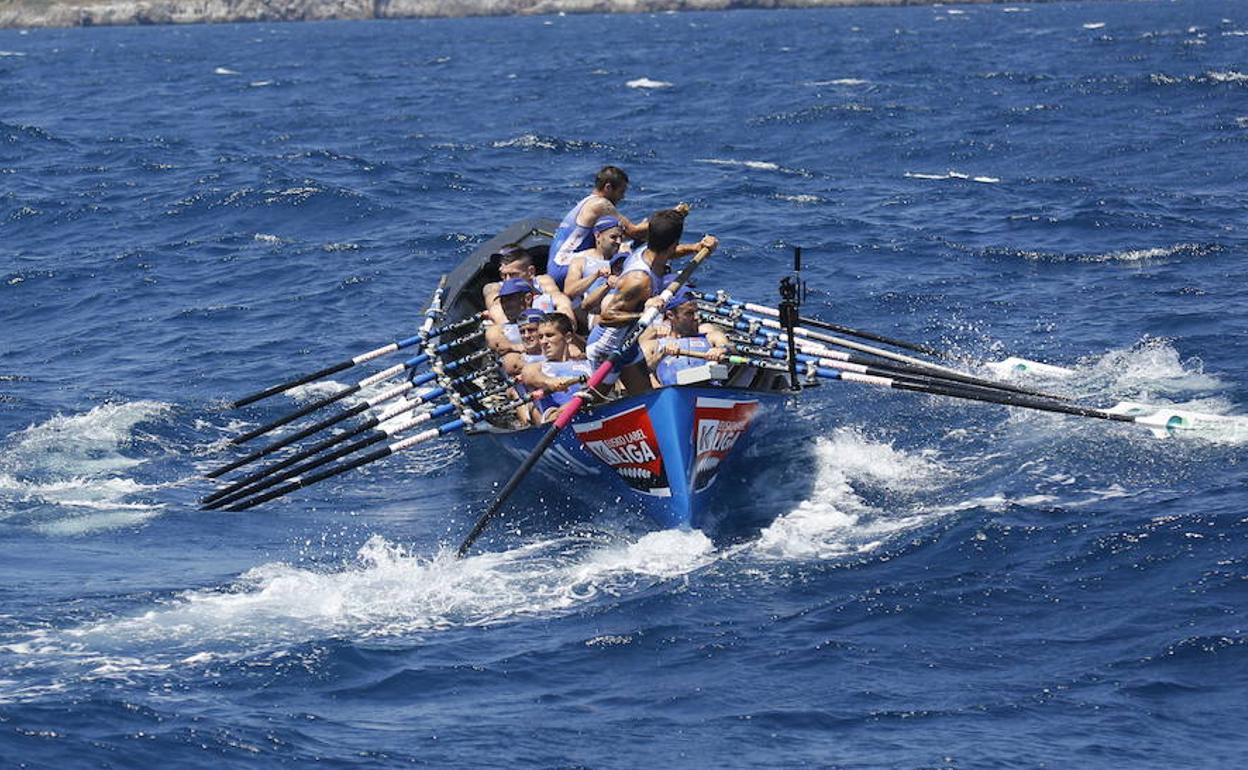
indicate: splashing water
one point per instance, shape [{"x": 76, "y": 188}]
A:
[
  {"x": 837, "y": 521},
  {"x": 66, "y": 476}
]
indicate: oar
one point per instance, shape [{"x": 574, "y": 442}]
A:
[
  {"x": 423, "y": 336},
  {"x": 389, "y": 413},
  {"x": 281, "y": 471},
  {"x": 381, "y": 376},
  {"x": 900, "y": 372},
  {"x": 328, "y": 422},
  {"x": 572, "y": 407},
  {"x": 722, "y": 298},
  {"x": 468, "y": 418},
  {"x": 770, "y": 338},
  {"x": 1162, "y": 421}
]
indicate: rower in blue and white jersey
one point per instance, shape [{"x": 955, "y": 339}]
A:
[
  {"x": 594, "y": 264},
  {"x": 560, "y": 375},
  {"x": 641, "y": 281},
  {"x": 575, "y": 232},
  {"x": 516, "y": 262},
  {"x": 687, "y": 336}
]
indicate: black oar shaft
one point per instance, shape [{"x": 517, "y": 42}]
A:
[
  {"x": 723, "y": 299},
  {"x": 891, "y": 341},
  {"x": 891, "y": 369},
  {"x": 955, "y": 391},
  {"x": 354, "y": 361},
  {"x": 267, "y": 481},
  {"x": 285, "y": 442},
  {"x": 508, "y": 488},
  {"x": 907, "y": 365},
  {"x": 304, "y": 380}
]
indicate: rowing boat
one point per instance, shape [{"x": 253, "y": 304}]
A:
[{"x": 658, "y": 453}]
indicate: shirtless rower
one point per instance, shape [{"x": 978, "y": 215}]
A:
[
  {"x": 562, "y": 373},
  {"x": 687, "y": 335},
  {"x": 641, "y": 281}
]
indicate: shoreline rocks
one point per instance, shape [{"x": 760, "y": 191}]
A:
[{"x": 89, "y": 13}]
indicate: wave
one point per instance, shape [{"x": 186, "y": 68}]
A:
[
  {"x": 1150, "y": 254},
  {"x": 836, "y": 521},
  {"x": 952, "y": 175},
  {"x": 753, "y": 165},
  {"x": 647, "y": 83},
  {"x": 67, "y": 475},
  {"x": 537, "y": 142},
  {"x": 837, "y": 82}
]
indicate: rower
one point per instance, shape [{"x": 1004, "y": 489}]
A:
[
  {"x": 641, "y": 281},
  {"x": 706, "y": 341},
  {"x": 515, "y": 295},
  {"x": 516, "y": 262},
  {"x": 561, "y": 374},
  {"x": 594, "y": 264},
  {"x": 575, "y": 232},
  {"x": 513, "y": 361}
]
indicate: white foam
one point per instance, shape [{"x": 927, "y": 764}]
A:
[
  {"x": 1229, "y": 76},
  {"x": 11, "y": 53},
  {"x": 838, "y": 82},
  {"x": 260, "y": 83},
  {"x": 74, "y": 464},
  {"x": 224, "y": 71},
  {"x": 753, "y": 165},
  {"x": 525, "y": 142},
  {"x": 390, "y": 592},
  {"x": 801, "y": 198},
  {"x": 952, "y": 175},
  {"x": 836, "y": 521},
  {"x": 648, "y": 83}
]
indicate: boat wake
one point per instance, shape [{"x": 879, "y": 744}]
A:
[{"x": 840, "y": 519}]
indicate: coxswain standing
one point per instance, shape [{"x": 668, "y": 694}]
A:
[{"x": 640, "y": 283}]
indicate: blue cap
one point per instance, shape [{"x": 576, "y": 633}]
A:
[
  {"x": 516, "y": 286},
  {"x": 530, "y": 316},
  {"x": 605, "y": 223},
  {"x": 681, "y": 296}
]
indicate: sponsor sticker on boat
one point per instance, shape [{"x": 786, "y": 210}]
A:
[
  {"x": 718, "y": 423},
  {"x": 627, "y": 442}
]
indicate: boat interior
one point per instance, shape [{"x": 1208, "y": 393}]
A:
[{"x": 464, "y": 298}]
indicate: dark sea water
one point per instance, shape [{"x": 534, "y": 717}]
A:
[{"x": 190, "y": 213}]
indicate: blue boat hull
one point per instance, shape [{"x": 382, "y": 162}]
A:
[{"x": 660, "y": 453}]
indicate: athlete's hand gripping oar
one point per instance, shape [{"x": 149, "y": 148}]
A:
[
  {"x": 281, "y": 471},
  {"x": 722, "y": 298},
  {"x": 468, "y": 418},
  {"x": 381, "y": 376},
  {"x": 572, "y": 407}
]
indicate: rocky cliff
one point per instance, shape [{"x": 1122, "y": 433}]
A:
[{"x": 73, "y": 13}]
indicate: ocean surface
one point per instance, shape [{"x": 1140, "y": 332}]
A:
[{"x": 188, "y": 214}]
